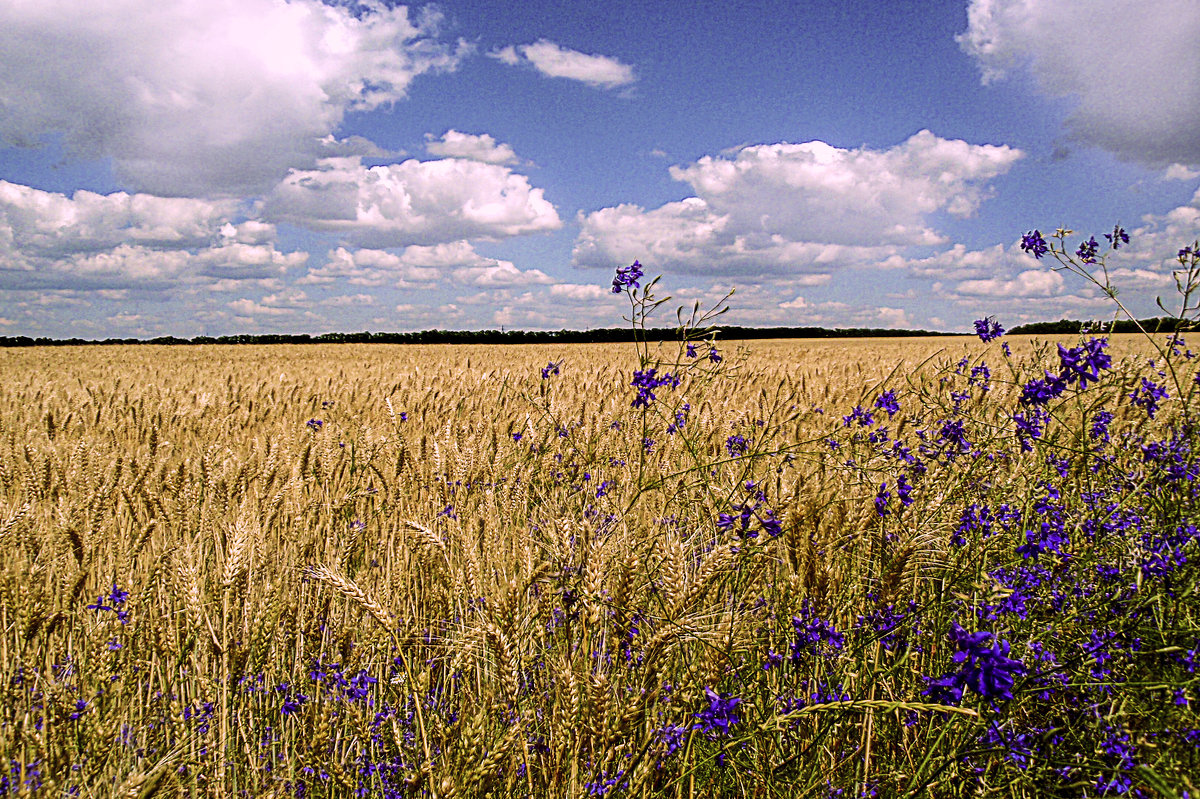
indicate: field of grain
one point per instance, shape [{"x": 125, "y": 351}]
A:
[{"x": 795, "y": 568}]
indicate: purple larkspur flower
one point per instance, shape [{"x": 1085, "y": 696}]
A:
[
  {"x": 881, "y": 499},
  {"x": 1147, "y": 395},
  {"x": 627, "y": 277},
  {"x": 984, "y": 667},
  {"x": 720, "y": 715},
  {"x": 1117, "y": 237},
  {"x": 1033, "y": 243},
  {"x": 887, "y": 402},
  {"x": 1087, "y": 251},
  {"x": 646, "y": 381},
  {"x": 988, "y": 329},
  {"x": 1084, "y": 363},
  {"x": 864, "y": 418},
  {"x": 1040, "y": 391}
]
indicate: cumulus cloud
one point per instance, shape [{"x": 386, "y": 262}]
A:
[
  {"x": 797, "y": 208},
  {"x": 35, "y": 223},
  {"x": 240, "y": 261},
  {"x": 502, "y": 273},
  {"x": 368, "y": 267},
  {"x": 585, "y": 292},
  {"x": 413, "y": 202},
  {"x": 1030, "y": 283},
  {"x": 287, "y": 303},
  {"x": 1133, "y": 69},
  {"x": 214, "y": 98},
  {"x": 421, "y": 265},
  {"x": 1180, "y": 172},
  {"x": 817, "y": 192},
  {"x": 481, "y": 147},
  {"x": 959, "y": 263},
  {"x": 348, "y": 300},
  {"x": 555, "y": 61},
  {"x": 110, "y": 240}
]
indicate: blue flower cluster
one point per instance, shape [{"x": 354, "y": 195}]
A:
[
  {"x": 984, "y": 667},
  {"x": 646, "y": 381},
  {"x": 988, "y": 329},
  {"x": 627, "y": 278},
  {"x": 1080, "y": 365}
]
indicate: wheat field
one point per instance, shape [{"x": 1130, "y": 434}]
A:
[{"x": 339, "y": 570}]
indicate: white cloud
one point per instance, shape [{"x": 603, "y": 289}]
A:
[
  {"x": 1030, "y": 283},
  {"x": 252, "y": 231},
  {"x": 348, "y": 300},
  {"x": 503, "y": 273},
  {"x": 554, "y": 61},
  {"x": 584, "y": 292},
  {"x": 246, "y": 261},
  {"x": 506, "y": 55},
  {"x": 35, "y": 223},
  {"x": 368, "y": 267},
  {"x": 481, "y": 147},
  {"x": 111, "y": 240},
  {"x": 219, "y": 97},
  {"x": 1180, "y": 172},
  {"x": 286, "y": 303},
  {"x": 808, "y": 280},
  {"x": 1133, "y": 68},
  {"x": 413, "y": 202},
  {"x": 959, "y": 263},
  {"x": 892, "y": 317},
  {"x": 817, "y": 192},
  {"x": 124, "y": 266},
  {"x": 798, "y": 208},
  {"x": 421, "y": 265}
]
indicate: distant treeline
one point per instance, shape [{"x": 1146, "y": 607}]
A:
[
  {"x": 1157, "y": 324},
  {"x": 604, "y": 335},
  {"x": 599, "y": 336}
]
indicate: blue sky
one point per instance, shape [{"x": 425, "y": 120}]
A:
[{"x": 208, "y": 167}]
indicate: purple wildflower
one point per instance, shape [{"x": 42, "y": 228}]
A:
[
  {"x": 736, "y": 446},
  {"x": 720, "y": 715},
  {"x": 814, "y": 634},
  {"x": 1100, "y": 425},
  {"x": 864, "y": 418},
  {"x": 1087, "y": 251},
  {"x": 881, "y": 499},
  {"x": 1147, "y": 395},
  {"x": 1034, "y": 244},
  {"x": 646, "y": 381},
  {"x": 988, "y": 329},
  {"x": 985, "y": 669},
  {"x": 627, "y": 277},
  {"x": 1084, "y": 363},
  {"x": 1117, "y": 237},
  {"x": 887, "y": 402},
  {"x": 1040, "y": 392}
]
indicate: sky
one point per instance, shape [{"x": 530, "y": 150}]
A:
[{"x": 216, "y": 167}]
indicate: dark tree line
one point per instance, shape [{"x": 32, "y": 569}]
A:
[
  {"x": 599, "y": 336},
  {"x": 1157, "y": 324}
]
